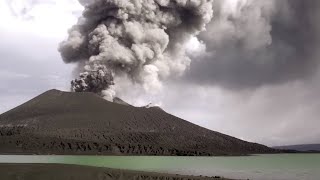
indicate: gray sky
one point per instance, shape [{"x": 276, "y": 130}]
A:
[{"x": 255, "y": 75}]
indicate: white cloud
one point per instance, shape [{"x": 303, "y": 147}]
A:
[
  {"x": 195, "y": 47},
  {"x": 48, "y": 18}
]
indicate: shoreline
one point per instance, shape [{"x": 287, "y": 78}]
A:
[
  {"x": 12, "y": 171},
  {"x": 146, "y": 155}
]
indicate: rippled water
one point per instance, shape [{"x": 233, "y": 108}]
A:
[{"x": 260, "y": 167}]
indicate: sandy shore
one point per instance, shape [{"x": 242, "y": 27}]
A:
[{"x": 74, "y": 172}]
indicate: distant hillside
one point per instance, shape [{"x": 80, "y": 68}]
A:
[
  {"x": 83, "y": 123},
  {"x": 301, "y": 147}
]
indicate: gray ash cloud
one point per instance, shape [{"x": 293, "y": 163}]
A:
[
  {"x": 143, "y": 40},
  {"x": 257, "y": 42}
]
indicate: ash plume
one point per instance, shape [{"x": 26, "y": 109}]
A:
[
  {"x": 93, "y": 80},
  {"x": 141, "y": 40},
  {"x": 254, "y": 43}
]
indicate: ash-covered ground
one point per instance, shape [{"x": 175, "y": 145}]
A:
[{"x": 84, "y": 123}]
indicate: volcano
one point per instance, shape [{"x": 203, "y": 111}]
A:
[{"x": 59, "y": 122}]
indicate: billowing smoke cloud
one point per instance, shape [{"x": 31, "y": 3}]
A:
[
  {"x": 94, "y": 81},
  {"x": 252, "y": 43},
  {"x": 141, "y": 40}
]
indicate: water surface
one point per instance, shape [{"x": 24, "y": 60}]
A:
[{"x": 260, "y": 167}]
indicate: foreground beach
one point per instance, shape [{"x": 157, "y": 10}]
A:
[{"x": 75, "y": 172}]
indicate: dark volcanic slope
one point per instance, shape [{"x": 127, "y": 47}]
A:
[{"x": 82, "y": 123}]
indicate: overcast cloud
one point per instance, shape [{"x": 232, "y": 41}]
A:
[{"x": 257, "y": 79}]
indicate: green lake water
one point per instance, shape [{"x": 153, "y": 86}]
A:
[{"x": 260, "y": 167}]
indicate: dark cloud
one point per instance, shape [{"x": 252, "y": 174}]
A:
[{"x": 262, "y": 43}]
